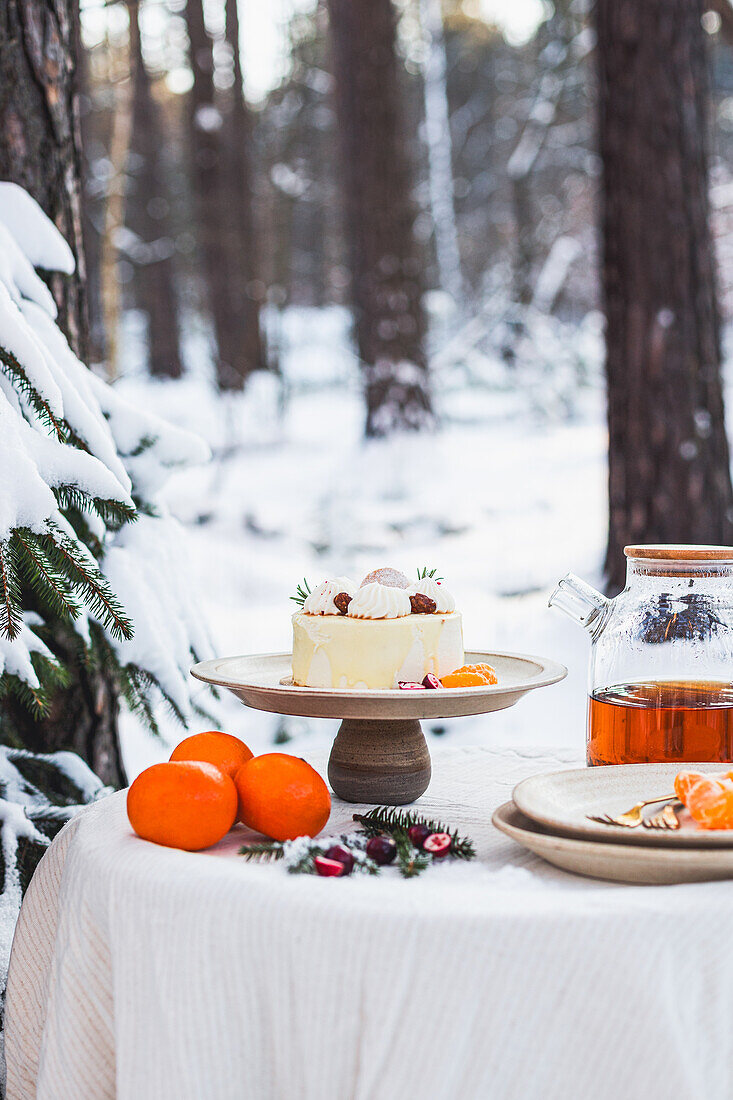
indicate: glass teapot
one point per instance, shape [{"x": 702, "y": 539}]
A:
[{"x": 661, "y": 667}]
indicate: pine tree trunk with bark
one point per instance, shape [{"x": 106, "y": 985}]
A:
[
  {"x": 386, "y": 283},
  {"x": 39, "y": 137},
  {"x": 219, "y": 147},
  {"x": 147, "y": 206},
  {"x": 246, "y": 288},
  {"x": 669, "y": 466},
  {"x": 92, "y": 214},
  {"x": 204, "y": 125},
  {"x": 39, "y": 150}
]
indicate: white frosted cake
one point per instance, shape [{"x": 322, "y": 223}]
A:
[{"x": 376, "y": 635}]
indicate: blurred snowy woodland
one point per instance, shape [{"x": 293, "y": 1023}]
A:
[{"x": 308, "y": 229}]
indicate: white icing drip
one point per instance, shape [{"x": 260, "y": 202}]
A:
[
  {"x": 320, "y": 601},
  {"x": 378, "y": 601},
  {"x": 444, "y": 602}
]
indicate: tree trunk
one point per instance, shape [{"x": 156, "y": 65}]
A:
[
  {"x": 223, "y": 190},
  {"x": 205, "y": 122},
  {"x": 39, "y": 138},
  {"x": 669, "y": 471},
  {"x": 92, "y": 207},
  {"x": 386, "y": 286},
  {"x": 147, "y": 209},
  {"x": 39, "y": 149},
  {"x": 440, "y": 150},
  {"x": 246, "y": 288}
]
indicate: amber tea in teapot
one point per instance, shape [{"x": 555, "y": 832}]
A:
[
  {"x": 636, "y": 723},
  {"x": 661, "y": 669}
]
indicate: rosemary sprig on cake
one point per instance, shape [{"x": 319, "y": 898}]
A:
[
  {"x": 302, "y": 592},
  {"x": 428, "y": 574}
]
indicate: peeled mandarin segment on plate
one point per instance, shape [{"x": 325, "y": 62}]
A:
[
  {"x": 463, "y": 680},
  {"x": 470, "y": 676},
  {"x": 710, "y": 802},
  {"x": 487, "y": 670},
  {"x": 684, "y": 782}
]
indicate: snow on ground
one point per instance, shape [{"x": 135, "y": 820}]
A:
[{"x": 504, "y": 499}]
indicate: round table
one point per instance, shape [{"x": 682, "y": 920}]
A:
[{"x": 141, "y": 972}]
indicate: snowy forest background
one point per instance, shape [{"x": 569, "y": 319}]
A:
[
  {"x": 497, "y": 113},
  {"x": 498, "y": 105},
  {"x": 237, "y": 187}
]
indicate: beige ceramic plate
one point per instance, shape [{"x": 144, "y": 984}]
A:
[
  {"x": 630, "y": 863},
  {"x": 264, "y": 681},
  {"x": 561, "y": 800}
]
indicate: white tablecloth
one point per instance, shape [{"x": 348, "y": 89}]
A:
[{"x": 141, "y": 972}]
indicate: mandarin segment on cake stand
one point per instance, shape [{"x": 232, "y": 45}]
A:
[{"x": 380, "y": 755}]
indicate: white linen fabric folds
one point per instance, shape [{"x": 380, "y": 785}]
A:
[{"x": 145, "y": 974}]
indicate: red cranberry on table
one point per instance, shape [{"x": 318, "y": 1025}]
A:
[
  {"x": 410, "y": 685},
  {"x": 418, "y": 834},
  {"x": 341, "y": 855},
  {"x": 382, "y": 849},
  {"x": 431, "y": 681},
  {"x": 328, "y": 868},
  {"x": 438, "y": 844}
]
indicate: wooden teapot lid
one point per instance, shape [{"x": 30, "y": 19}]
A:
[{"x": 679, "y": 552}]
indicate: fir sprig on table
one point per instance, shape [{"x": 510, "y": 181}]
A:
[
  {"x": 410, "y": 860},
  {"x": 425, "y": 573},
  {"x": 391, "y": 819},
  {"x": 264, "y": 850},
  {"x": 302, "y": 592},
  {"x": 299, "y": 855}
]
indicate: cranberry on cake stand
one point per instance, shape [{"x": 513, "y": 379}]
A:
[{"x": 380, "y": 755}]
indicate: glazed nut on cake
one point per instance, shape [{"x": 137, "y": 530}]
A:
[{"x": 382, "y": 633}]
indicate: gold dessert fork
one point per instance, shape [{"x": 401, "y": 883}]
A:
[
  {"x": 665, "y": 819},
  {"x": 633, "y": 817}
]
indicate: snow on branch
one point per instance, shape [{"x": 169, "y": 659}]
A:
[
  {"x": 80, "y": 463},
  {"x": 37, "y": 236}
]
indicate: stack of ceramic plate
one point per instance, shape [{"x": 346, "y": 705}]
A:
[{"x": 551, "y": 816}]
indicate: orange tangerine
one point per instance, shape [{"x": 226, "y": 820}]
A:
[
  {"x": 282, "y": 796},
  {"x": 710, "y": 802},
  {"x": 684, "y": 782},
  {"x": 214, "y": 747},
  {"x": 185, "y": 804},
  {"x": 470, "y": 676}
]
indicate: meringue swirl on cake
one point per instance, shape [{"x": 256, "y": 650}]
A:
[
  {"x": 444, "y": 602},
  {"x": 378, "y": 601},
  {"x": 320, "y": 601}
]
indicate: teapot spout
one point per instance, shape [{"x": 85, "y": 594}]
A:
[{"x": 581, "y": 602}]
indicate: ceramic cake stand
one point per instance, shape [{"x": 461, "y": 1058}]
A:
[{"x": 380, "y": 755}]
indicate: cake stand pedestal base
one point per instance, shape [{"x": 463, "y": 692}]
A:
[{"x": 380, "y": 761}]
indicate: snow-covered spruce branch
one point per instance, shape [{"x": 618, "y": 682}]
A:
[
  {"x": 12, "y": 368},
  {"x": 85, "y": 464}
]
